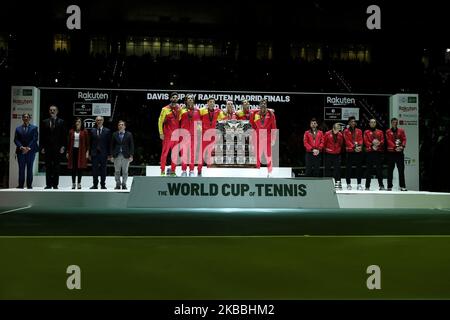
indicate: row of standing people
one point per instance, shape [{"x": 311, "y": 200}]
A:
[
  {"x": 198, "y": 121},
  {"x": 373, "y": 143},
  {"x": 78, "y": 145}
]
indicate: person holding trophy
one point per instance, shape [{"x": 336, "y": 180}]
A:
[
  {"x": 374, "y": 142},
  {"x": 396, "y": 143},
  {"x": 168, "y": 122},
  {"x": 209, "y": 117},
  {"x": 191, "y": 121},
  {"x": 353, "y": 145}
]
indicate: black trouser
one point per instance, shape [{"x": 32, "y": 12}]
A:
[
  {"x": 75, "y": 170},
  {"x": 396, "y": 158},
  {"x": 99, "y": 168},
  {"x": 354, "y": 158},
  {"x": 374, "y": 158},
  {"x": 52, "y": 159},
  {"x": 333, "y": 160},
  {"x": 312, "y": 164}
]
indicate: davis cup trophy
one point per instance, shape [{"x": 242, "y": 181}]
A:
[{"x": 235, "y": 148}]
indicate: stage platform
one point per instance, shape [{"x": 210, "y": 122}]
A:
[{"x": 111, "y": 198}]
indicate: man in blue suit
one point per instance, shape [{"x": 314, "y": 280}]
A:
[
  {"x": 26, "y": 140},
  {"x": 100, "y": 152}
]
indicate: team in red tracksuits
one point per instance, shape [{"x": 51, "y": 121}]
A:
[
  {"x": 396, "y": 143},
  {"x": 264, "y": 123},
  {"x": 313, "y": 142},
  {"x": 374, "y": 143},
  {"x": 167, "y": 124},
  {"x": 353, "y": 138},
  {"x": 333, "y": 141},
  {"x": 209, "y": 117},
  {"x": 190, "y": 120}
]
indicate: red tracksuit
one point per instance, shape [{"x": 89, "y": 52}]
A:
[
  {"x": 242, "y": 115},
  {"x": 391, "y": 137},
  {"x": 233, "y": 116},
  {"x": 311, "y": 143},
  {"x": 351, "y": 138},
  {"x": 167, "y": 124},
  {"x": 263, "y": 123},
  {"x": 209, "y": 121},
  {"x": 332, "y": 148},
  {"x": 369, "y": 136},
  {"x": 396, "y": 158},
  {"x": 330, "y": 145},
  {"x": 192, "y": 122}
]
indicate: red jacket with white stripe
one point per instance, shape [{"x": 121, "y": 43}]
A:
[
  {"x": 332, "y": 144},
  {"x": 351, "y": 138},
  {"x": 311, "y": 143},
  {"x": 369, "y": 136},
  {"x": 391, "y": 137}
]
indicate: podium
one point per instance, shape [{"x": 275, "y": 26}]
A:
[{"x": 235, "y": 148}]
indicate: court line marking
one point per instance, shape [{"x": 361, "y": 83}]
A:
[
  {"x": 230, "y": 236},
  {"x": 18, "y": 209}
]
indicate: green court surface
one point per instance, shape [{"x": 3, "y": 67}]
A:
[
  {"x": 224, "y": 254},
  {"x": 187, "y": 221}
]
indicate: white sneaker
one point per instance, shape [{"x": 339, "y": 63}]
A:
[
  {"x": 184, "y": 174},
  {"x": 349, "y": 187},
  {"x": 191, "y": 173},
  {"x": 359, "y": 187},
  {"x": 269, "y": 175}
]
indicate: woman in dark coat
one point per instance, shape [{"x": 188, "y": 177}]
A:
[{"x": 77, "y": 151}]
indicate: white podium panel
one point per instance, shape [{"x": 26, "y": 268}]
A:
[{"x": 278, "y": 172}]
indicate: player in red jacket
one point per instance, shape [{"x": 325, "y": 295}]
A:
[
  {"x": 313, "y": 142},
  {"x": 333, "y": 141},
  {"x": 265, "y": 125},
  {"x": 229, "y": 113},
  {"x": 353, "y": 138},
  {"x": 245, "y": 113},
  {"x": 374, "y": 142},
  {"x": 167, "y": 124},
  {"x": 209, "y": 117},
  {"x": 396, "y": 143},
  {"x": 190, "y": 120}
]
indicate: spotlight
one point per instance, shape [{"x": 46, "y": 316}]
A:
[{"x": 56, "y": 80}]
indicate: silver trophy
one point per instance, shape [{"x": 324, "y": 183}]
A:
[
  {"x": 398, "y": 144},
  {"x": 240, "y": 159},
  {"x": 235, "y": 142}
]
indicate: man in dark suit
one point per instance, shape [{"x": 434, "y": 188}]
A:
[
  {"x": 122, "y": 150},
  {"x": 100, "y": 152},
  {"x": 53, "y": 139},
  {"x": 26, "y": 140}
]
